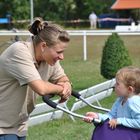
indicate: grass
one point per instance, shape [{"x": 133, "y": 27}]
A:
[
  {"x": 65, "y": 128},
  {"x": 83, "y": 74}
]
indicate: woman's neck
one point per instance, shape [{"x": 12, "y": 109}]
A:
[{"x": 37, "y": 53}]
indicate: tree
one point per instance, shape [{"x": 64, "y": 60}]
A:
[
  {"x": 19, "y": 9},
  {"x": 54, "y": 9},
  {"x": 114, "y": 57}
]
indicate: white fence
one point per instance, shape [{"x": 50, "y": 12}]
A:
[
  {"x": 43, "y": 112},
  {"x": 95, "y": 93},
  {"x": 83, "y": 33}
]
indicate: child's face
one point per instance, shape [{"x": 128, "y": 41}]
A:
[{"x": 121, "y": 89}]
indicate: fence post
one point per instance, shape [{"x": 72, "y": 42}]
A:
[{"x": 85, "y": 45}]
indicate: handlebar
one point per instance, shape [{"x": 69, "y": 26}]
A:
[
  {"x": 47, "y": 100},
  {"x": 75, "y": 94}
]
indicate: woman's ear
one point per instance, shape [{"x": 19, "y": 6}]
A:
[{"x": 43, "y": 45}]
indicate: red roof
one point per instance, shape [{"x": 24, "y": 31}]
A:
[{"x": 126, "y": 4}]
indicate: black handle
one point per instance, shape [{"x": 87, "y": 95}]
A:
[
  {"x": 46, "y": 99},
  {"x": 75, "y": 94}
]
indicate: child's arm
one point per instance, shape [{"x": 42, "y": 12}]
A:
[
  {"x": 92, "y": 115},
  {"x": 111, "y": 114}
]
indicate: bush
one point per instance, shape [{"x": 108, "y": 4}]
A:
[{"x": 114, "y": 57}]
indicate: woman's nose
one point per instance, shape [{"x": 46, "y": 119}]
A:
[{"x": 61, "y": 56}]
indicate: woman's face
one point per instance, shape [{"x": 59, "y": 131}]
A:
[{"x": 52, "y": 54}]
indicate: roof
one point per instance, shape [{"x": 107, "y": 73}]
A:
[{"x": 126, "y": 4}]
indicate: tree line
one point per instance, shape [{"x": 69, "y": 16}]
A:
[
  {"x": 57, "y": 10},
  {"x": 54, "y": 9}
]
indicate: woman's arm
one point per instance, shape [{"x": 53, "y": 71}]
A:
[{"x": 43, "y": 87}]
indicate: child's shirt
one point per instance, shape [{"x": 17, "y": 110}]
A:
[{"x": 127, "y": 114}]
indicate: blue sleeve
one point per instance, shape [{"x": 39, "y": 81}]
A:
[
  {"x": 111, "y": 114},
  {"x": 134, "y": 120}
]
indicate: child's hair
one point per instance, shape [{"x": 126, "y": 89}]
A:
[{"x": 130, "y": 76}]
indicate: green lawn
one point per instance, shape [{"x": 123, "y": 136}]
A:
[{"x": 83, "y": 74}]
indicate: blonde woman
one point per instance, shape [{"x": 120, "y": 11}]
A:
[{"x": 29, "y": 68}]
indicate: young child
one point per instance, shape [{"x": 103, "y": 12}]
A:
[{"x": 126, "y": 109}]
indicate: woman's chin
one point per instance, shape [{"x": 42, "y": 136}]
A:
[{"x": 52, "y": 63}]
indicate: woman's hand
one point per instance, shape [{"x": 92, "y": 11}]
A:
[
  {"x": 90, "y": 116},
  {"x": 113, "y": 123},
  {"x": 66, "y": 93}
]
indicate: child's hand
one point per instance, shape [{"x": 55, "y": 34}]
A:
[
  {"x": 90, "y": 116},
  {"x": 113, "y": 123}
]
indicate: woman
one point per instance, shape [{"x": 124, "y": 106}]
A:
[{"x": 27, "y": 68}]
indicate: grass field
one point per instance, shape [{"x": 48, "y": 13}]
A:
[{"x": 83, "y": 74}]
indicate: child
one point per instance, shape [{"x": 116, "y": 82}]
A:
[{"x": 126, "y": 109}]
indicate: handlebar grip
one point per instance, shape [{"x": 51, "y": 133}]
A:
[
  {"x": 46, "y": 99},
  {"x": 75, "y": 94},
  {"x": 96, "y": 121}
]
